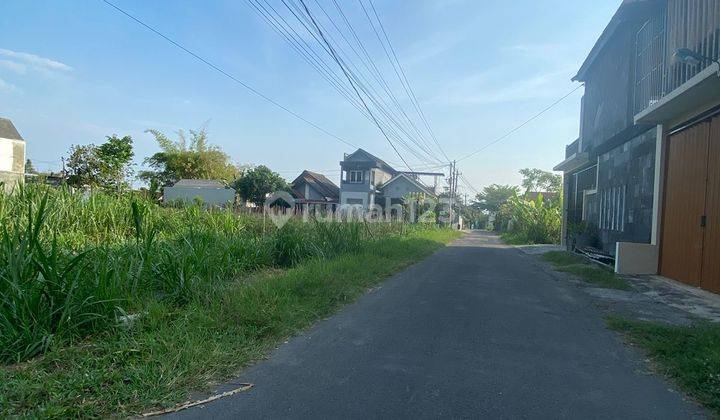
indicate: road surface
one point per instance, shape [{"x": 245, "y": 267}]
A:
[{"x": 476, "y": 330}]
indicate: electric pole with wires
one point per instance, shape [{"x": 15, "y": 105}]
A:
[{"x": 453, "y": 190}]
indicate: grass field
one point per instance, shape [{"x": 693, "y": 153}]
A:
[
  {"x": 114, "y": 305},
  {"x": 574, "y": 264},
  {"x": 688, "y": 354}
]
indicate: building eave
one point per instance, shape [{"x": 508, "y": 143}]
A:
[
  {"x": 627, "y": 10},
  {"x": 573, "y": 162}
]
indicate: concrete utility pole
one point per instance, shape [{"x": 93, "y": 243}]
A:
[
  {"x": 455, "y": 195},
  {"x": 453, "y": 189}
]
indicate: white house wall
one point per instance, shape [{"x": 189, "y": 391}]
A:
[{"x": 12, "y": 155}]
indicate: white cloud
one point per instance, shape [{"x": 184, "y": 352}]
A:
[
  {"x": 7, "y": 87},
  {"x": 568, "y": 54},
  {"x": 490, "y": 88},
  {"x": 33, "y": 61},
  {"x": 432, "y": 47},
  {"x": 13, "y": 66}
]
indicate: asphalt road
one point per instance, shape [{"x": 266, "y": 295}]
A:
[{"x": 476, "y": 330}]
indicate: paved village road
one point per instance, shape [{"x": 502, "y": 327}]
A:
[{"x": 476, "y": 330}]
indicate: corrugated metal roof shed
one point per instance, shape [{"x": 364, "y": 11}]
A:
[{"x": 200, "y": 183}]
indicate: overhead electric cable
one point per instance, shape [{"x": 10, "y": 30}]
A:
[
  {"x": 360, "y": 82},
  {"x": 372, "y": 67},
  {"x": 534, "y": 117},
  {"x": 280, "y": 25},
  {"x": 411, "y": 92},
  {"x": 310, "y": 16},
  {"x": 228, "y": 75}
]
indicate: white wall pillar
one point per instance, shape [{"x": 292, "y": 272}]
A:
[{"x": 658, "y": 192}]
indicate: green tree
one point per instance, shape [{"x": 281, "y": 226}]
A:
[
  {"x": 106, "y": 166},
  {"x": 255, "y": 184},
  {"x": 116, "y": 155},
  {"x": 541, "y": 181},
  {"x": 84, "y": 165},
  {"x": 494, "y": 196},
  {"x": 186, "y": 158},
  {"x": 29, "y": 167}
]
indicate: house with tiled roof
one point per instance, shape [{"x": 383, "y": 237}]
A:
[
  {"x": 312, "y": 188},
  {"x": 367, "y": 180}
]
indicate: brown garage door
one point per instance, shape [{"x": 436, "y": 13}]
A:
[
  {"x": 711, "y": 249},
  {"x": 691, "y": 214}
]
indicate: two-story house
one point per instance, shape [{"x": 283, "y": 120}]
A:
[
  {"x": 642, "y": 181},
  {"x": 12, "y": 155},
  {"x": 367, "y": 180}
]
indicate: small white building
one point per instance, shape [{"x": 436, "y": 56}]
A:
[
  {"x": 209, "y": 192},
  {"x": 12, "y": 155}
]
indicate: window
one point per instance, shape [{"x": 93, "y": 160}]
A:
[
  {"x": 355, "y": 177},
  {"x": 589, "y": 209},
  {"x": 612, "y": 208},
  {"x": 354, "y": 201}
]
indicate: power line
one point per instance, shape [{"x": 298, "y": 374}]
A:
[
  {"x": 280, "y": 25},
  {"x": 357, "y": 80},
  {"x": 303, "y": 48},
  {"x": 534, "y": 117},
  {"x": 468, "y": 184},
  {"x": 387, "y": 54},
  {"x": 309, "y": 54},
  {"x": 366, "y": 87},
  {"x": 409, "y": 90},
  {"x": 376, "y": 74},
  {"x": 342, "y": 67},
  {"x": 228, "y": 75}
]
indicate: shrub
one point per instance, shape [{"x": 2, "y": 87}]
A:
[{"x": 533, "y": 222}]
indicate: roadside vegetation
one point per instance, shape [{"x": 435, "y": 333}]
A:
[
  {"x": 112, "y": 304},
  {"x": 529, "y": 216},
  {"x": 688, "y": 354},
  {"x": 592, "y": 273},
  {"x": 536, "y": 221}
]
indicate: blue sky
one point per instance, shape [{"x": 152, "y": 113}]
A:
[{"x": 72, "y": 72}]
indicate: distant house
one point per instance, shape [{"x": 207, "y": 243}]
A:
[
  {"x": 54, "y": 179},
  {"x": 400, "y": 186},
  {"x": 367, "y": 180},
  {"x": 12, "y": 155},
  {"x": 209, "y": 192},
  {"x": 311, "y": 189},
  {"x": 642, "y": 181}
]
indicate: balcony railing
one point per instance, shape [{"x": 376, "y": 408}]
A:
[
  {"x": 692, "y": 24},
  {"x": 650, "y": 59}
]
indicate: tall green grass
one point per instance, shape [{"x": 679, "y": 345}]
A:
[
  {"x": 172, "y": 350},
  {"x": 73, "y": 265}
]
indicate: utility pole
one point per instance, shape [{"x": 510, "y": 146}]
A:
[
  {"x": 455, "y": 194},
  {"x": 453, "y": 184}
]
